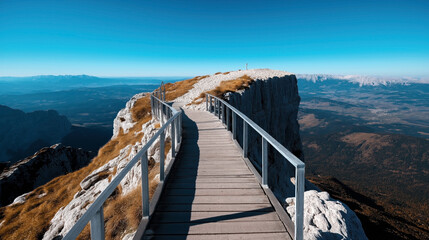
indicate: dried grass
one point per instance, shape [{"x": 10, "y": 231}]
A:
[
  {"x": 177, "y": 89},
  {"x": 224, "y": 87}
]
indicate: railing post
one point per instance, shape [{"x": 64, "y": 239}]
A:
[
  {"x": 176, "y": 128},
  {"x": 219, "y": 104},
  {"x": 161, "y": 156},
  {"x": 145, "y": 186},
  {"x": 173, "y": 145},
  {"x": 162, "y": 113},
  {"x": 227, "y": 119},
  {"x": 245, "y": 139},
  {"x": 223, "y": 113},
  {"x": 234, "y": 126},
  {"x": 214, "y": 106},
  {"x": 97, "y": 225},
  {"x": 264, "y": 162},
  {"x": 179, "y": 128},
  {"x": 207, "y": 102},
  {"x": 164, "y": 91},
  {"x": 299, "y": 202},
  {"x": 211, "y": 104}
]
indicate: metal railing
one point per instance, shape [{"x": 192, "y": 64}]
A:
[
  {"x": 171, "y": 120},
  {"x": 222, "y": 110}
]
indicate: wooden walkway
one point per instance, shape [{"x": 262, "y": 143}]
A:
[{"x": 211, "y": 193}]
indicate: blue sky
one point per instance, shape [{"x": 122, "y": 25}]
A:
[{"x": 185, "y": 38}]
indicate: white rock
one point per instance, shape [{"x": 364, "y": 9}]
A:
[
  {"x": 124, "y": 118},
  {"x": 326, "y": 218},
  {"x": 20, "y": 199}
]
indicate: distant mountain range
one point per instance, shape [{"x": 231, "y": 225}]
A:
[
  {"x": 364, "y": 80},
  {"x": 51, "y": 83}
]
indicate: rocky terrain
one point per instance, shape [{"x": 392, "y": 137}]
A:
[
  {"x": 25, "y": 133},
  {"x": 38, "y": 169},
  {"x": 58, "y": 207}
]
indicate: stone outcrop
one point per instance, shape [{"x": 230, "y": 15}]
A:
[
  {"x": 327, "y": 218},
  {"x": 36, "y": 170}
]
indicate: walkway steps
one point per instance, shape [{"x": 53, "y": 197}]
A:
[{"x": 211, "y": 193}]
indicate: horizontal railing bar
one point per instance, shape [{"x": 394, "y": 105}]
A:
[
  {"x": 98, "y": 203},
  {"x": 296, "y": 162},
  {"x": 171, "y": 108}
]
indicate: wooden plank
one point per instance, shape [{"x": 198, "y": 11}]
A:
[
  {"x": 209, "y": 176},
  {"x": 244, "y": 236},
  {"x": 214, "y": 207},
  {"x": 218, "y": 227},
  {"x": 213, "y": 185},
  {"x": 202, "y": 159},
  {"x": 213, "y": 192},
  {"x": 218, "y": 166},
  {"x": 215, "y": 200},
  {"x": 204, "y": 217},
  {"x": 208, "y": 179},
  {"x": 208, "y": 171}
]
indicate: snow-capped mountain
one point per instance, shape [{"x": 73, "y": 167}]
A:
[{"x": 363, "y": 79}]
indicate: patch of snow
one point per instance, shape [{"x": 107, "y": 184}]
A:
[
  {"x": 212, "y": 81},
  {"x": 326, "y": 218}
]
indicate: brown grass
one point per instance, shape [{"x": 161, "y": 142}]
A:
[
  {"x": 224, "y": 87},
  {"x": 177, "y": 89}
]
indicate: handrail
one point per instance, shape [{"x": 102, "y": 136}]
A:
[
  {"x": 222, "y": 110},
  {"x": 94, "y": 214}
]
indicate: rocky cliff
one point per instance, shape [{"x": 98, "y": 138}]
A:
[
  {"x": 22, "y": 134},
  {"x": 38, "y": 169}
]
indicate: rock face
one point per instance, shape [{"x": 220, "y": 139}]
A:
[
  {"x": 326, "y": 218},
  {"x": 22, "y": 134},
  {"x": 273, "y": 105},
  {"x": 34, "y": 171}
]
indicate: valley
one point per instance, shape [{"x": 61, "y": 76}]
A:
[{"x": 377, "y": 162}]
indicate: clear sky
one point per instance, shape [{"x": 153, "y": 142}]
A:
[{"x": 184, "y": 38}]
